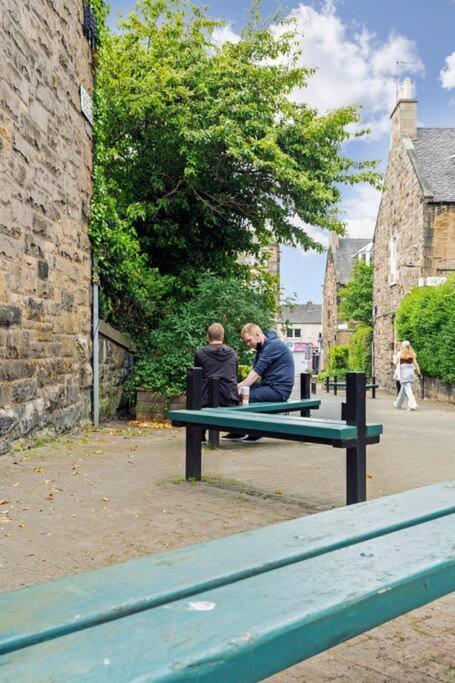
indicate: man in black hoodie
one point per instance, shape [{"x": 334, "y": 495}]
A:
[{"x": 218, "y": 360}]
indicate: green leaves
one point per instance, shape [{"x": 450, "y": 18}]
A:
[
  {"x": 426, "y": 317},
  {"x": 357, "y": 295}
]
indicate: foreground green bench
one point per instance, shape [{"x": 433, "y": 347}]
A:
[
  {"x": 239, "y": 608},
  {"x": 352, "y": 433}
]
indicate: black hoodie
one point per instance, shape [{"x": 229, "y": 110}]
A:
[{"x": 218, "y": 360}]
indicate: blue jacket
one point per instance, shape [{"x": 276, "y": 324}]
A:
[{"x": 275, "y": 364}]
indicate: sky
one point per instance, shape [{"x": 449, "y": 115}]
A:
[{"x": 355, "y": 45}]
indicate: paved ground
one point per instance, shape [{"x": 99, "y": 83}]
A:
[{"x": 91, "y": 499}]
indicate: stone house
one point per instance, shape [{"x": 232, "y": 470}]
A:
[
  {"x": 414, "y": 239},
  {"x": 45, "y": 190},
  {"x": 341, "y": 257}
]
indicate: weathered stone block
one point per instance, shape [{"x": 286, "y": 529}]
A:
[
  {"x": 8, "y": 420},
  {"x": 9, "y": 315},
  {"x": 43, "y": 270}
]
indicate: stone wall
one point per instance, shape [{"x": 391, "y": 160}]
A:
[
  {"x": 115, "y": 365},
  {"x": 401, "y": 215},
  {"x": 329, "y": 310},
  {"x": 438, "y": 390},
  {"x": 439, "y": 239},
  {"x": 45, "y": 189}
]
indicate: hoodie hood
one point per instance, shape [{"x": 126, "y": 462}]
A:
[{"x": 218, "y": 351}]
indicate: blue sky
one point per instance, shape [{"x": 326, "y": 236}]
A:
[{"x": 355, "y": 44}]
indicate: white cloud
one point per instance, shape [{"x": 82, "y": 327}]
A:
[
  {"x": 353, "y": 65},
  {"x": 224, "y": 34},
  {"x": 447, "y": 73},
  {"x": 360, "y": 211}
]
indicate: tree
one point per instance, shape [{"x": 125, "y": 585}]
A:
[
  {"x": 202, "y": 153},
  {"x": 357, "y": 295}
]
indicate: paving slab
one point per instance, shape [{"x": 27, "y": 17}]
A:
[{"x": 94, "y": 498}]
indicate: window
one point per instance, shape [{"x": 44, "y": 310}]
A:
[
  {"x": 393, "y": 269},
  {"x": 289, "y": 332},
  {"x": 297, "y": 332}
]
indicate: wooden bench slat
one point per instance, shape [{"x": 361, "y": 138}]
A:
[
  {"x": 280, "y": 617},
  {"x": 277, "y": 406},
  {"x": 42, "y": 611},
  {"x": 302, "y": 426}
]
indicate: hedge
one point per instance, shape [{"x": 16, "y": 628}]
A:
[{"x": 426, "y": 317}]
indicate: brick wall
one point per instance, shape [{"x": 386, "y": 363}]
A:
[{"x": 45, "y": 188}]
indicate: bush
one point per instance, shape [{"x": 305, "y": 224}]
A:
[
  {"x": 338, "y": 363},
  {"x": 426, "y": 317},
  {"x": 360, "y": 350},
  {"x": 167, "y": 352}
]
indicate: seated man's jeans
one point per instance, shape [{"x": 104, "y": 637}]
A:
[{"x": 259, "y": 393}]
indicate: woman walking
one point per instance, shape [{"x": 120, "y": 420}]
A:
[{"x": 406, "y": 365}]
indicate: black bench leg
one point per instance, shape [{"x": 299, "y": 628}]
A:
[
  {"x": 327, "y": 388},
  {"x": 214, "y": 402},
  {"x": 356, "y": 474},
  {"x": 356, "y": 456},
  {"x": 193, "y": 448},
  {"x": 335, "y": 386},
  {"x": 305, "y": 380},
  {"x": 373, "y": 390},
  {"x": 193, "y": 467}
]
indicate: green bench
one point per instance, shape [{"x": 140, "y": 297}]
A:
[
  {"x": 239, "y": 608},
  {"x": 335, "y": 384},
  {"x": 353, "y": 433}
]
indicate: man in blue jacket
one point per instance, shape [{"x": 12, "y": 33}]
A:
[{"x": 272, "y": 376}]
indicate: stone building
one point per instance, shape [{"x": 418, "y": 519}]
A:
[
  {"x": 414, "y": 240},
  {"x": 45, "y": 190},
  {"x": 341, "y": 257}
]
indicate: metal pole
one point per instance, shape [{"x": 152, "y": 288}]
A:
[
  {"x": 193, "y": 432},
  {"x": 95, "y": 348},
  {"x": 335, "y": 386},
  {"x": 214, "y": 402},
  {"x": 356, "y": 460},
  {"x": 373, "y": 390}
]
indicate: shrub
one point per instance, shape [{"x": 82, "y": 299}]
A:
[
  {"x": 167, "y": 352},
  {"x": 426, "y": 317},
  {"x": 360, "y": 350},
  {"x": 338, "y": 363}
]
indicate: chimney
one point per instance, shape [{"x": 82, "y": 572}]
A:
[
  {"x": 334, "y": 241},
  {"x": 404, "y": 116}
]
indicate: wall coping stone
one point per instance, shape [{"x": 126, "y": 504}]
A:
[{"x": 116, "y": 336}]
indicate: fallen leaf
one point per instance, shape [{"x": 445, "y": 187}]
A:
[
  {"x": 50, "y": 496},
  {"x": 3, "y": 501},
  {"x": 39, "y": 469},
  {"x": 9, "y": 533},
  {"x": 15, "y": 484},
  {"x": 22, "y": 525},
  {"x": 98, "y": 452},
  {"x": 104, "y": 498},
  {"x": 278, "y": 492},
  {"x": 4, "y": 520},
  {"x": 369, "y": 476}
]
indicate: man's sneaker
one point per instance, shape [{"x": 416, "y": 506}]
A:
[
  {"x": 250, "y": 438},
  {"x": 233, "y": 436}
]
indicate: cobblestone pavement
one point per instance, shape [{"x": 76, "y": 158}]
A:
[{"x": 98, "y": 497}]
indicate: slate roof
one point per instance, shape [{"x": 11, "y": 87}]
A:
[
  {"x": 342, "y": 257},
  {"x": 435, "y": 154},
  {"x": 308, "y": 313}
]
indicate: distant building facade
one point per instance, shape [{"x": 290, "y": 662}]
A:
[
  {"x": 341, "y": 256},
  {"x": 414, "y": 239},
  {"x": 45, "y": 192},
  {"x": 301, "y": 328}
]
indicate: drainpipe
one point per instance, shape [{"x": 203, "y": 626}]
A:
[{"x": 95, "y": 363}]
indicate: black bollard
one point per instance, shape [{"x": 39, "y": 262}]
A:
[
  {"x": 305, "y": 381},
  {"x": 355, "y": 414},
  {"x": 193, "y": 432},
  {"x": 214, "y": 402}
]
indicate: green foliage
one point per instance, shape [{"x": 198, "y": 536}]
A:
[
  {"x": 360, "y": 350},
  {"x": 168, "y": 351},
  {"x": 357, "y": 295},
  {"x": 426, "y": 317},
  {"x": 338, "y": 363},
  {"x": 201, "y": 154},
  {"x": 244, "y": 371}
]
